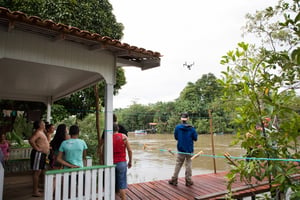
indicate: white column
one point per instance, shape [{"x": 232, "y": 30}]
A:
[
  {"x": 108, "y": 151},
  {"x": 49, "y": 102}
]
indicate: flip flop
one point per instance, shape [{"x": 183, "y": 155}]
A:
[{"x": 37, "y": 195}]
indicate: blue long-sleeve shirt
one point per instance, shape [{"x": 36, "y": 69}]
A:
[{"x": 185, "y": 135}]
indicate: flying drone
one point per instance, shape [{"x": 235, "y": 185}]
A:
[{"x": 188, "y": 65}]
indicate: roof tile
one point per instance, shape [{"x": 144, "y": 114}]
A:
[{"x": 49, "y": 24}]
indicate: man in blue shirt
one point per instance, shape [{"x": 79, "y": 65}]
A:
[{"x": 185, "y": 134}]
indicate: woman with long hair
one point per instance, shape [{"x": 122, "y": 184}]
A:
[{"x": 60, "y": 136}]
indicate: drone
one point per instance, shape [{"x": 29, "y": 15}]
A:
[{"x": 188, "y": 65}]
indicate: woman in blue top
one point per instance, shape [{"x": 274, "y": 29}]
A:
[{"x": 72, "y": 150}]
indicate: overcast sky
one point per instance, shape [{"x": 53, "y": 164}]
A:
[{"x": 182, "y": 31}]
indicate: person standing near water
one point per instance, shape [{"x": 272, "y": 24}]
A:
[
  {"x": 120, "y": 145},
  {"x": 185, "y": 134}
]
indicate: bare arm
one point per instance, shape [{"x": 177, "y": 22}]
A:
[
  {"x": 129, "y": 151},
  {"x": 61, "y": 161},
  {"x": 33, "y": 141}
]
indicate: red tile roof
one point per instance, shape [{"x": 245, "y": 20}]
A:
[{"x": 48, "y": 28}]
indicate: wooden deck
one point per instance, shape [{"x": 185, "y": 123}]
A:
[{"x": 207, "y": 186}]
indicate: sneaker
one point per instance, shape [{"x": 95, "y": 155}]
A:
[
  {"x": 172, "y": 182},
  {"x": 189, "y": 183}
]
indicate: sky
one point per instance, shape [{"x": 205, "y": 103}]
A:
[{"x": 191, "y": 31}]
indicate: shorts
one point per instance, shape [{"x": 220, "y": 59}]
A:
[
  {"x": 37, "y": 160},
  {"x": 121, "y": 175}
]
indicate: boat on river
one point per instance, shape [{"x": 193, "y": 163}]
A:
[{"x": 140, "y": 132}]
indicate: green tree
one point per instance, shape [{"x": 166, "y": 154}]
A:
[
  {"x": 197, "y": 98},
  {"x": 163, "y": 113},
  {"x": 262, "y": 82},
  {"x": 135, "y": 117},
  {"x": 88, "y": 133},
  {"x": 91, "y": 15}
]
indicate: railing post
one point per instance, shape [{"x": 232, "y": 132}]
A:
[
  {"x": 89, "y": 161},
  {"x": 81, "y": 183},
  {"x": 1, "y": 180}
]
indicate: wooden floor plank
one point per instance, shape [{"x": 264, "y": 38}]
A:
[
  {"x": 154, "y": 191},
  {"x": 178, "y": 193},
  {"x": 170, "y": 193},
  {"x": 206, "y": 186}
]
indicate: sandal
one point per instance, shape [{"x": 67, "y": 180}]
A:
[{"x": 37, "y": 195}]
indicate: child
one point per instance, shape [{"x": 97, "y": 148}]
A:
[{"x": 5, "y": 147}]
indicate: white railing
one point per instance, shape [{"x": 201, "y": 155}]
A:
[
  {"x": 19, "y": 160},
  {"x": 1, "y": 180},
  {"x": 19, "y": 153},
  {"x": 87, "y": 183}
]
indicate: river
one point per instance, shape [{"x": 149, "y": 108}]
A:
[{"x": 152, "y": 161}]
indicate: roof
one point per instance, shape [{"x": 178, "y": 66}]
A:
[
  {"x": 42, "y": 60},
  {"x": 127, "y": 54}
]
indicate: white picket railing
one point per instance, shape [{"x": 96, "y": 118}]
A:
[
  {"x": 19, "y": 153},
  {"x": 87, "y": 183},
  {"x": 19, "y": 160},
  {"x": 1, "y": 180}
]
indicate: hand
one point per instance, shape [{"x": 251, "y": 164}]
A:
[{"x": 129, "y": 165}]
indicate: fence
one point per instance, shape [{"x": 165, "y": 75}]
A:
[
  {"x": 95, "y": 182},
  {"x": 19, "y": 160},
  {"x": 19, "y": 153},
  {"x": 1, "y": 180}
]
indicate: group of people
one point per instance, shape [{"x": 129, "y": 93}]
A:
[{"x": 65, "y": 150}]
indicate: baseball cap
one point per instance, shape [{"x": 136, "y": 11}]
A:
[{"x": 184, "y": 116}]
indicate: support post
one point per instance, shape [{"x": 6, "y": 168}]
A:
[
  {"x": 49, "y": 102},
  {"x": 212, "y": 140},
  {"x": 108, "y": 147}
]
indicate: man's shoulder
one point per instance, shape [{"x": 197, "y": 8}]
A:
[
  {"x": 38, "y": 133},
  {"x": 184, "y": 125},
  {"x": 179, "y": 125}
]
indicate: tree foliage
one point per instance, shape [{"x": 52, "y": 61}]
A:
[
  {"x": 196, "y": 98},
  {"x": 262, "y": 83},
  {"x": 199, "y": 95},
  {"x": 91, "y": 15}
]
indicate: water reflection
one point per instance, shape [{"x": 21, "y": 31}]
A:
[{"x": 150, "y": 163}]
